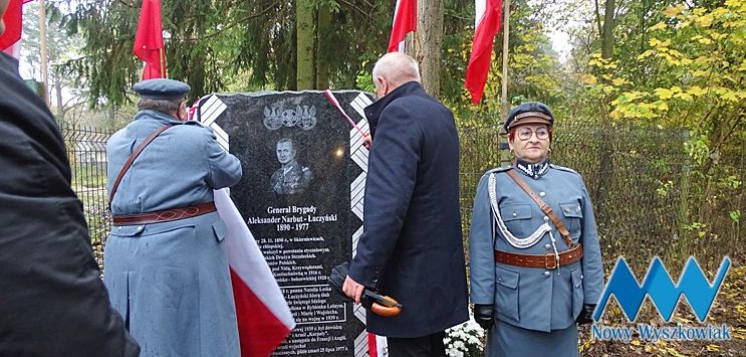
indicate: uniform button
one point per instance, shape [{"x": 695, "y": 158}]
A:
[
  {"x": 499, "y": 279},
  {"x": 548, "y": 246},
  {"x": 515, "y": 214},
  {"x": 547, "y": 273},
  {"x": 546, "y": 218},
  {"x": 567, "y": 210},
  {"x": 542, "y": 193},
  {"x": 536, "y": 177},
  {"x": 581, "y": 276}
]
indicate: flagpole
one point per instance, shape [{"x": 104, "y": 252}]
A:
[
  {"x": 162, "y": 54},
  {"x": 506, "y": 31},
  {"x": 43, "y": 45}
]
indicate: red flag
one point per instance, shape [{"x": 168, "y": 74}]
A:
[
  {"x": 13, "y": 19},
  {"x": 489, "y": 16},
  {"x": 149, "y": 40},
  {"x": 263, "y": 316},
  {"x": 14, "y": 50},
  {"x": 405, "y": 21},
  {"x": 10, "y": 40}
]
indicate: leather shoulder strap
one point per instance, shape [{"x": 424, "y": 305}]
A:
[
  {"x": 544, "y": 207},
  {"x": 132, "y": 158}
]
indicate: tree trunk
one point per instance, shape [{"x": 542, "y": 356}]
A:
[
  {"x": 323, "y": 28},
  {"x": 304, "y": 45},
  {"x": 58, "y": 97},
  {"x": 428, "y": 40},
  {"x": 607, "y": 147},
  {"x": 607, "y": 37}
]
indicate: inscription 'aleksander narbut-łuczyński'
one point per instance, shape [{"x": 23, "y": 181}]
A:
[{"x": 283, "y": 221}]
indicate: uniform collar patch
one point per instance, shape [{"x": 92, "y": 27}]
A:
[{"x": 534, "y": 171}]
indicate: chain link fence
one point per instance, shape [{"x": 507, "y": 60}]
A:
[{"x": 649, "y": 198}]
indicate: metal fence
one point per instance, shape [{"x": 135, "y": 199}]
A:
[
  {"x": 86, "y": 149},
  {"x": 649, "y": 199}
]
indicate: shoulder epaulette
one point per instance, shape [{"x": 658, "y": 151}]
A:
[
  {"x": 192, "y": 122},
  {"x": 562, "y": 168},
  {"x": 499, "y": 169}
]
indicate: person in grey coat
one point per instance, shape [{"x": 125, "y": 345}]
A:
[
  {"x": 533, "y": 281},
  {"x": 411, "y": 247},
  {"x": 164, "y": 260},
  {"x": 52, "y": 300}
]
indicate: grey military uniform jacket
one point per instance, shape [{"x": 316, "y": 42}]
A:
[
  {"x": 534, "y": 298},
  {"x": 171, "y": 279}
]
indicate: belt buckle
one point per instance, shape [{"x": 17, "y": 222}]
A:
[{"x": 549, "y": 261}]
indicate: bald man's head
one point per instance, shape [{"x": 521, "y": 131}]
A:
[{"x": 393, "y": 70}]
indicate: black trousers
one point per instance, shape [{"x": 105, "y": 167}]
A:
[{"x": 426, "y": 346}]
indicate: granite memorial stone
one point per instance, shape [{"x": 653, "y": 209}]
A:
[{"x": 301, "y": 193}]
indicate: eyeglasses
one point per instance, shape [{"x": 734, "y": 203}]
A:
[{"x": 524, "y": 134}]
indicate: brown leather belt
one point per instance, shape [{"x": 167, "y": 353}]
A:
[
  {"x": 546, "y": 261},
  {"x": 172, "y": 214}
]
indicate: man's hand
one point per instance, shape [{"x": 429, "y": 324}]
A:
[
  {"x": 367, "y": 141},
  {"x": 352, "y": 289}
]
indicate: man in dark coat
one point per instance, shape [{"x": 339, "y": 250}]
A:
[
  {"x": 411, "y": 248},
  {"x": 52, "y": 301}
]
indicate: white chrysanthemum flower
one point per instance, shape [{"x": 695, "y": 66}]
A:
[{"x": 464, "y": 340}]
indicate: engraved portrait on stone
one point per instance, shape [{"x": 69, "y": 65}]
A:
[{"x": 291, "y": 177}]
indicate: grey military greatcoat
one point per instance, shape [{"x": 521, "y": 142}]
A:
[
  {"x": 535, "y": 308},
  {"x": 170, "y": 280}
]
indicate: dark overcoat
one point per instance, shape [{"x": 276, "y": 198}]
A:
[
  {"x": 411, "y": 247},
  {"x": 52, "y": 301}
]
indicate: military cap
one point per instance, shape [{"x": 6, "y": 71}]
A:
[
  {"x": 529, "y": 113},
  {"x": 161, "y": 89}
]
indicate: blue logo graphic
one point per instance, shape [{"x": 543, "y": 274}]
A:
[{"x": 659, "y": 286}]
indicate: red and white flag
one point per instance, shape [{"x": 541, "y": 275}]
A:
[
  {"x": 149, "y": 40},
  {"x": 264, "y": 318},
  {"x": 405, "y": 21},
  {"x": 487, "y": 25},
  {"x": 13, "y": 19}
]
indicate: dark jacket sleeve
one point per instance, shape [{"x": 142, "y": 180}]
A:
[
  {"x": 392, "y": 173},
  {"x": 481, "y": 247},
  {"x": 52, "y": 300}
]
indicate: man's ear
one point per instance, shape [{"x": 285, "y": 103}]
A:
[
  {"x": 383, "y": 84},
  {"x": 182, "y": 111}
]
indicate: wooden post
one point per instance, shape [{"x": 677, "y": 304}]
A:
[
  {"x": 503, "y": 156},
  {"x": 43, "y": 45},
  {"x": 504, "y": 104}
]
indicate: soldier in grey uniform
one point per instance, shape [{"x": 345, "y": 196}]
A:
[
  {"x": 530, "y": 285},
  {"x": 291, "y": 178},
  {"x": 165, "y": 265}
]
